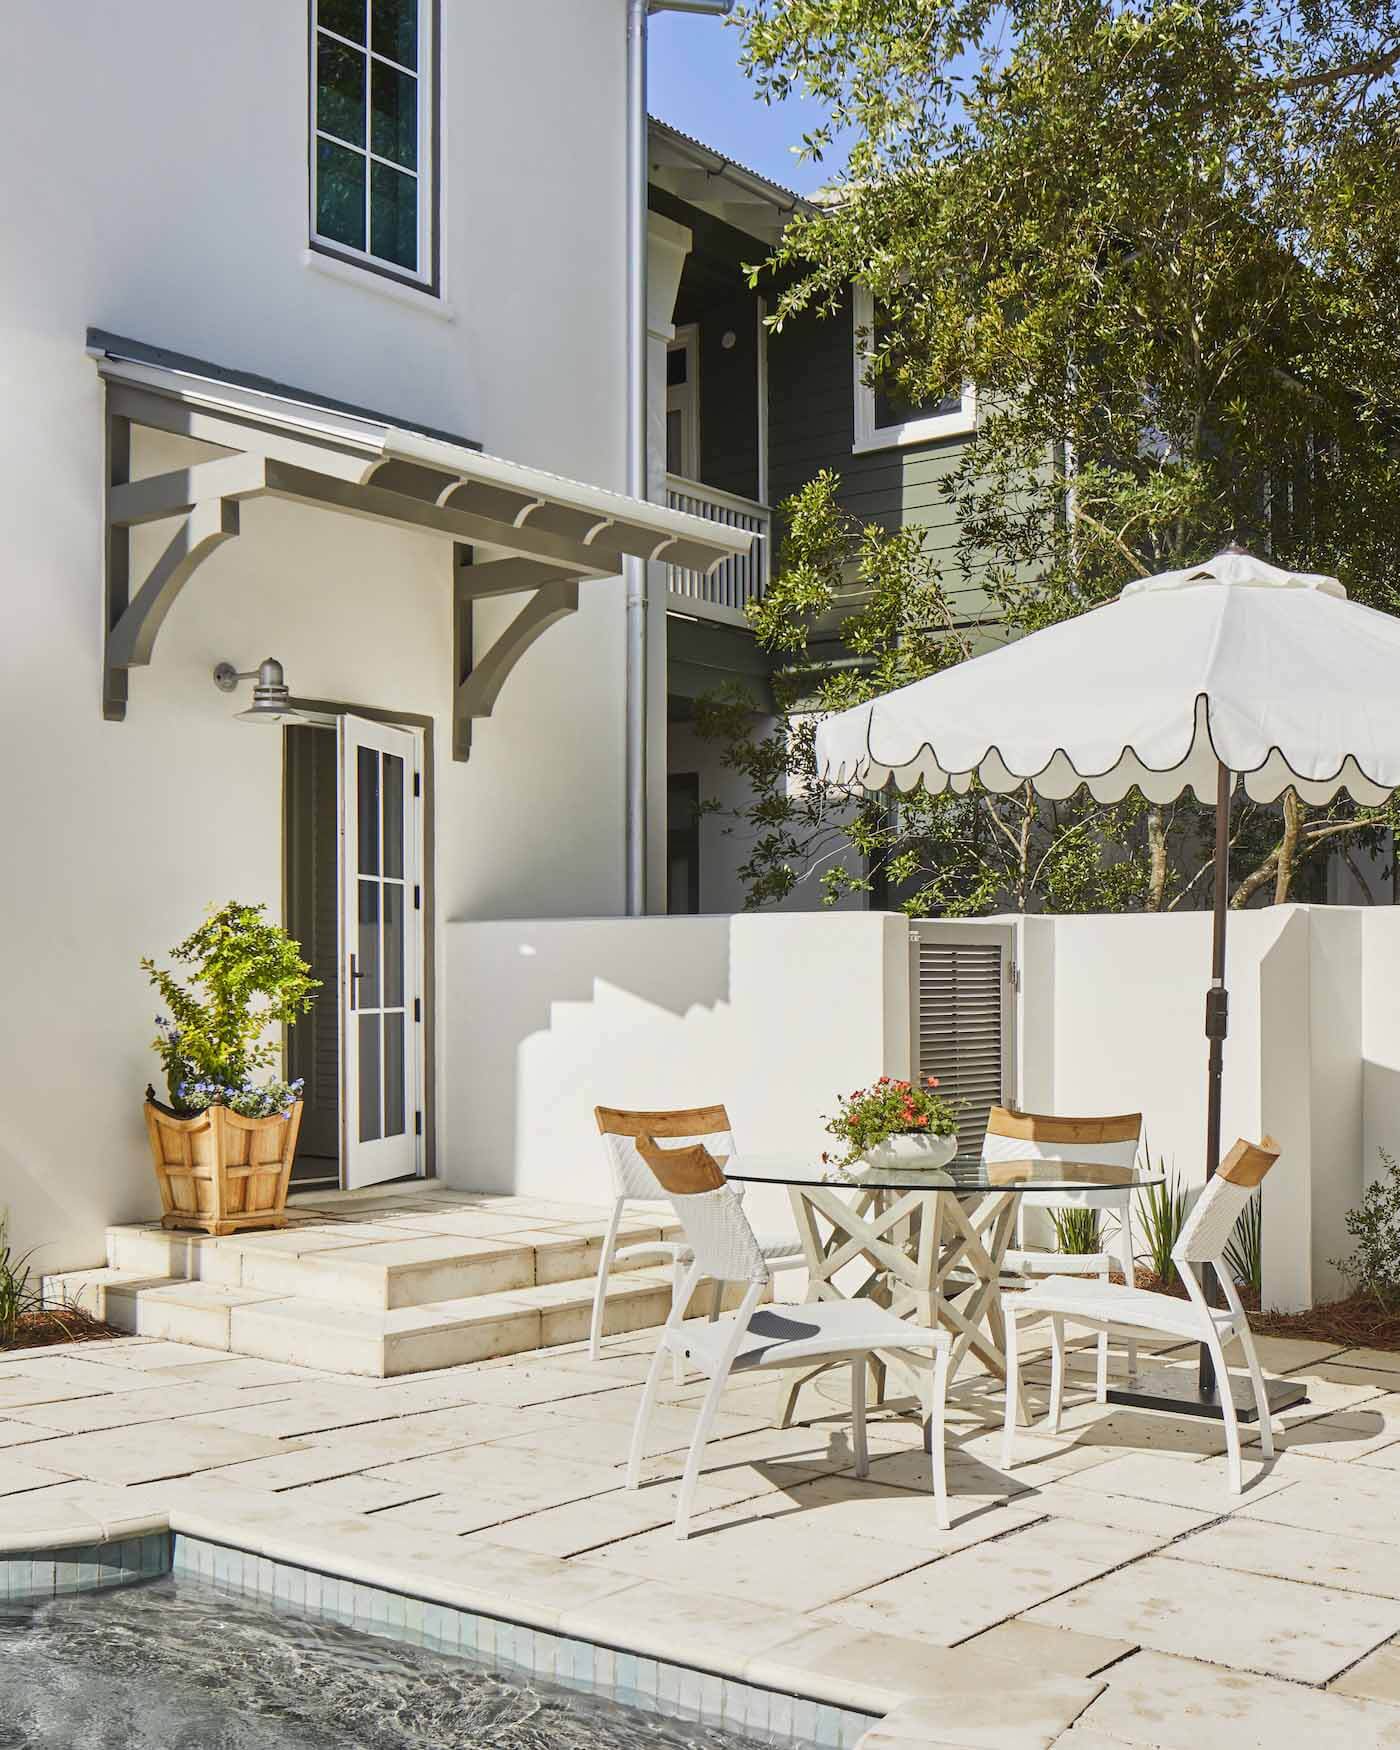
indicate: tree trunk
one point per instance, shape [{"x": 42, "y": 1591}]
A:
[
  {"x": 1288, "y": 845},
  {"x": 1157, "y": 854},
  {"x": 1027, "y": 822}
]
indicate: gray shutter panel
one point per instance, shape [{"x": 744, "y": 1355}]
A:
[{"x": 959, "y": 1024}]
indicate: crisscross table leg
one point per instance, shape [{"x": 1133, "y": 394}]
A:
[{"x": 911, "y": 1241}]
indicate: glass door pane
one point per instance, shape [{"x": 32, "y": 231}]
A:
[{"x": 385, "y": 973}]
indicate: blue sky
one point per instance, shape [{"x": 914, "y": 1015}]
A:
[{"x": 696, "y": 85}]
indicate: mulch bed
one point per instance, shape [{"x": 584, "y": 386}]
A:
[
  {"x": 1357, "y": 1322},
  {"x": 59, "y": 1324}
]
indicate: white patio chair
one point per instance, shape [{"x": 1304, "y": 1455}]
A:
[
  {"x": 1108, "y": 1144},
  {"x": 724, "y": 1247},
  {"x": 635, "y": 1184},
  {"x": 1203, "y": 1240}
]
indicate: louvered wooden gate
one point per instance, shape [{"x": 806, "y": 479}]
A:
[{"x": 963, "y": 987}]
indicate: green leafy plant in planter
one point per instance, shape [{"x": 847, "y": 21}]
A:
[
  {"x": 1374, "y": 1224},
  {"x": 871, "y": 1116},
  {"x": 246, "y": 975}
]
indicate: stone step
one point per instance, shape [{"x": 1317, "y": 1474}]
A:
[
  {"x": 385, "y": 1263},
  {"x": 380, "y": 1342},
  {"x": 87, "y": 1290}
]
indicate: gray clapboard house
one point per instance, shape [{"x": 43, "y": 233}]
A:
[{"x": 751, "y": 416}]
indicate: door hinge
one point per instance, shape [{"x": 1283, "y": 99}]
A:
[
  {"x": 1013, "y": 975},
  {"x": 417, "y": 784},
  {"x": 417, "y": 897},
  {"x": 417, "y": 1123},
  {"x": 418, "y": 1008}
]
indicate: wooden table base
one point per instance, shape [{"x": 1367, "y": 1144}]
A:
[{"x": 914, "y": 1243}]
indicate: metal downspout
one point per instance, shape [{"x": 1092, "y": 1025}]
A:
[{"x": 634, "y": 570}]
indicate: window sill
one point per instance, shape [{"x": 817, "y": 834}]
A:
[
  {"x": 427, "y": 303},
  {"x": 908, "y": 437}
]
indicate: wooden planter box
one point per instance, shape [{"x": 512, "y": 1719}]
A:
[{"x": 221, "y": 1172}]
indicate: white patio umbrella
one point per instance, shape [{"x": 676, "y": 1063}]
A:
[{"x": 1231, "y": 671}]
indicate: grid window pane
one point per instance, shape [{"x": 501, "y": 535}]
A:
[
  {"x": 396, "y": 30},
  {"x": 367, "y": 769},
  {"x": 345, "y": 17},
  {"x": 340, "y": 194},
  {"x": 367, "y": 997},
  {"x": 393, "y": 815},
  {"x": 395, "y": 1113},
  {"x": 394, "y": 216},
  {"x": 340, "y": 90},
  {"x": 371, "y": 1068},
  {"x": 393, "y": 945},
  {"x": 394, "y": 126}
]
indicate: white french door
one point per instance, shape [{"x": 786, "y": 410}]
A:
[{"x": 381, "y": 936}]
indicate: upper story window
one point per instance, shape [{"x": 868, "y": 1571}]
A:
[
  {"x": 373, "y": 117},
  {"x": 885, "y": 417}
]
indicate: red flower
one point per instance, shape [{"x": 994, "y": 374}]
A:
[
  {"x": 933, "y": 1081},
  {"x": 922, "y": 1118},
  {"x": 882, "y": 1082}
]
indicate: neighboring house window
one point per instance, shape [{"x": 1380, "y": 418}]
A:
[
  {"x": 373, "y": 117},
  {"x": 885, "y": 417}
]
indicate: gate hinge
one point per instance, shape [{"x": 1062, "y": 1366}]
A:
[
  {"x": 417, "y": 1123},
  {"x": 417, "y": 784},
  {"x": 1013, "y": 975},
  {"x": 418, "y": 1008},
  {"x": 417, "y": 897}
]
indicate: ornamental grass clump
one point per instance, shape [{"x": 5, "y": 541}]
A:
[
  {"x": 18, "y": 1295},
  {"x": 1078, "y": 1232},
  {"x": 247, "y": 976},
  {"x": 871, "y": 1116},
  {"x": 1162, "y": 1211}
]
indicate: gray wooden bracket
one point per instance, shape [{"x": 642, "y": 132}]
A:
[
  {"x": 204, "y": 498},
  {"x": 476, "y": 695}
]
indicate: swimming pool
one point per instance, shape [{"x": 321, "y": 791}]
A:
[{"x": 175, "y": 1664}]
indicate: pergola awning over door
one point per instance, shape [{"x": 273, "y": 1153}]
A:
[{"x": 514, "y": 528}]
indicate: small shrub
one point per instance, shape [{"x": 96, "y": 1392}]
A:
[
  {"x": 1244, "y": 1254},
  {"x": 1161, "y": 1217},
  {"x": 1077, "y": 1231},
  {"x": 1375, "y": 1226}
]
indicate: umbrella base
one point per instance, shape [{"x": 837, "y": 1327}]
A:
[{"x": 1176, "y": 1391}]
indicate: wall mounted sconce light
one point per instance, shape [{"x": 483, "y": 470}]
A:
[{"x": 272, "y": 702}]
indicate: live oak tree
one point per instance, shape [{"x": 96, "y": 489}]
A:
[{"x": 1163, "y": 241}]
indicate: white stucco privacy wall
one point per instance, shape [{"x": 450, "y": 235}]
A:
[
  {"x": 771, "y": 1015},
  {"x": 774, "y": 1014},
  {"x": 171, "y": 206},
  {"x": 1112, "y": 1019}
]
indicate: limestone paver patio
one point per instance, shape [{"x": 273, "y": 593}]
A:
[{"x": 1106, "y": 1591}]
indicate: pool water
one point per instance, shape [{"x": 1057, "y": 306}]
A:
[{"x": 177, "y": 1665}]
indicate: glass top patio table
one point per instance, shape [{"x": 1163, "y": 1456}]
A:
[{"x": 966, "y": 1175}]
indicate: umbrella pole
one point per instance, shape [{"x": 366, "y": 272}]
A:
[
  {"x": 1217, "y": 1026},
  {"x": 1170, "y": 1391}
]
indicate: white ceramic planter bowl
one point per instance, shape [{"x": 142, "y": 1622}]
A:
[{"x": 914, "y": 1151}]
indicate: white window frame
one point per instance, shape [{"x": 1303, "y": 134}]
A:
[
  {"x": 425, "y": 276},
  {"x": 928, "y": 428},
  {"x": 687, "y": 401}
]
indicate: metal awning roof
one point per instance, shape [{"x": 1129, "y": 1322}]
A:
[
  {"x": 720, "y": 185},
  {"x": 514, "y": 528}
]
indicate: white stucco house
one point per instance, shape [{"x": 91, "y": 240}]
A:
[{"x": 273, "y": 309}]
